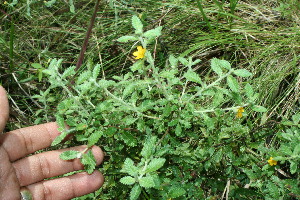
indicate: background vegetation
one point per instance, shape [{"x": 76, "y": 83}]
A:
[{"x": 261, "y": 36}]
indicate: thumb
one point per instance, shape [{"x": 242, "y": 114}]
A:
[{"x": 4, "y": 109}]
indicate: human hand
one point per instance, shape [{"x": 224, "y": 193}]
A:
[{"x": 26, "y": 174}]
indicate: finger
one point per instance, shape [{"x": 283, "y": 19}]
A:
[
  {"x": 21, "y": 142},
  {"x": 9, "y": 184},
  {"x": 67, "y": 187},
  {"x": 4, "y": 109},
  {"x": 36, "y": 168}
]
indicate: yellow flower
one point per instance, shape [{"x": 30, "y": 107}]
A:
[
  {"x": 140, "y": 53},
  {"x": 272, "y": 162},
  {"x": 5, "y": 2},
  {"x": 240, "y": 112}
]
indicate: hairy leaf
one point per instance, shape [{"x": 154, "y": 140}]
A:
[
  {"x": 127, "y": 180},
  {"x": 69, "y": 155},
  {"x": 155, "y": 164},
  {"x": 137, "y": 24},
  {"x": 147, "y": 182},
  {"x": 135, "y": 192}
]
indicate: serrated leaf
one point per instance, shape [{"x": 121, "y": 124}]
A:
[
  {"x": 94, "y": 137},
  {"x": 89, "y": 161},
  {"x": 296, "y": 151},
  {"x": 96, "y": 71},
  {"x": 129, "y": 89},
  {"x": 215, "y": 66},
  {"x": 135, "y": 192},
  {"x": 220, "y": 63},
  {"x": 175, "y": 192},
  {"x": 149, "y": 147},
  {"x": 155, "y": 164},
  {"x": 149, "y": 57},
  {"x": 68, "y": 72},
  {"x": 192, "y": 76},
  {"x": 183, "y": 61},
  {"x": 129, "y": 167},
  {"x": 242, "y": 72},
  {"x": 249, "y": 90},
  {"x": 173, "y": 61},
  {"x": 259, "y": 109},
  {"x": 83, "y": 77},
  {"x": 178, "y": 130},
  {"x": 127, "y": 38},
  {"x": 59, "y": 138},
  {"x": 137, "y": 66},
  {"x": 127, "y": 180},
  {"x": 293, "y": 167},
  {"x": 60, "y": 121},
  {"x": 129, "y": 139},
  {"x": 137, "y": 24},
  {"x": 69, "y": 155},
  {"x": 233, "y": 83},
  {"x": 147, "y": 182},
  {"x": 153, "y": 33},
  {"x": 81, "y": 126}
]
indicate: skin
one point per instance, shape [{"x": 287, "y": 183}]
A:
[{"x": 17, "y": 170}]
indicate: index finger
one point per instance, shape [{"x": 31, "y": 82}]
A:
[{"x": 24, "y": 141}]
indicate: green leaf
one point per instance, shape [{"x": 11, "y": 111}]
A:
[
  {"x": 183, "y": 61},
  {"x": 173, "y": 61},
  {"x": 153, "y": 33},
  {"x": 137, "y": 24},
  {"x": 149, "y": 147},
  {"x": 192, "y": 76},
  {"x": 60, "y": 121},
  {"x": 147, "y": 182},
  {"x": 127, "y": 38},
  {"x": 127, "y": 180},
  {"x": 296, "y": 118},
  {"x": 178, "y": 130},
  {"x": 83, "y": 77},
  {"x": 215, "y": 66},
  {"x": 129, "y": 167},
  {"x": 137, "y": 66},
  {"x": 217, "y": 63},
  {"x": 72, "y": 7},
  {"x": 249, "y": 90},
  {"x": 68, "y": 72},
  {"x": 233, "y": 84},
  {"x": 89, "y": 162},
  {"x": 293, "y": 167},
  {"x": 96, "y": 71},
  {"x": 94, "y": 137},
  {"x": 69, "y": 155},
  {"x": 59, "y": 138},
  {"x": 175, "y": 192},
  {"x": 149, "y": 58},
  {"x": 81, "y": 126},
  {"x": 135, "y": 192},
  {"x": 242, "y": 72},
  {"x": 296, "y": 151},
  {"x": 36, "y": 65},
  {"x": 259, "y": 108},
  {"x": 155, "y": 164}
]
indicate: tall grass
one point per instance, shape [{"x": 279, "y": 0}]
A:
[{"x": 262, "y": 36}]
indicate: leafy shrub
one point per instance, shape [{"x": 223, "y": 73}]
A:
[{"x": 172, "y": 134}]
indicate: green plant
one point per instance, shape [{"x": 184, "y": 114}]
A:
[{"x": 168, "y": 132}]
